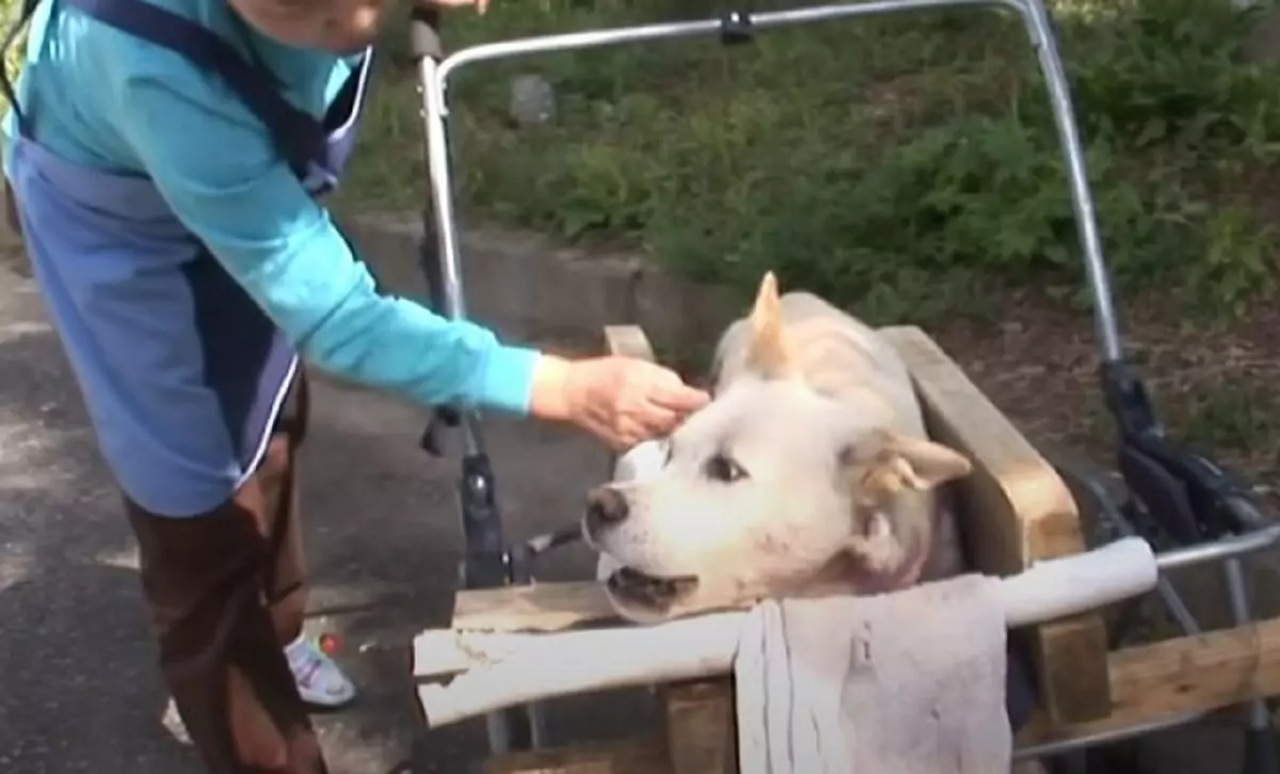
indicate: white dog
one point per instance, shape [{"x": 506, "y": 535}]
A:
[{"x": 810, "y": 472}]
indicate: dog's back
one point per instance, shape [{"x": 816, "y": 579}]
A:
[{"x": 837, "y": 355}]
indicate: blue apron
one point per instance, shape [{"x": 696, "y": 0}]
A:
[{"x": 183, "y": 374}]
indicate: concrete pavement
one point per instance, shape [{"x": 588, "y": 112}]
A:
[{"x": 78, "y": 691}]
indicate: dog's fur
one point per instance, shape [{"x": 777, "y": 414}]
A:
[{"x": 810, "y": 472}]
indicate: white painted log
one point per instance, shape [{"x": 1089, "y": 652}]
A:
[
  {"x": 1060, "y": 587},
  {"x": 566, "y": 663},
  {"x": 496, "y": 671}
]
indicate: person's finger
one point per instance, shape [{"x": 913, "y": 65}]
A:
[
  {"x": 665, "y": 388},
  {"x": 659, "y": 422},
  {"x": 630, "y": 433},
  {"x": 679, "y": 397}
]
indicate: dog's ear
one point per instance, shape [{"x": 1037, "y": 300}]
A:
[
  {"x": 769, "y": 355},
  {"x": 882, "y": 463}
]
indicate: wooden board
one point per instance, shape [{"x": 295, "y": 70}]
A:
[
  {"x": 631, "y": 757},
  {"x": 1198, "y": 673},
  {"x": 642, "y": 755},
  {"x": 545, "y": 607},
  {"x": 1023, "y": 511},
  {"x": 701, "y": 727}
]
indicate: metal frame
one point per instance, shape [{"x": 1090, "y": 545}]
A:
[{"x": 1172, "y": 494}]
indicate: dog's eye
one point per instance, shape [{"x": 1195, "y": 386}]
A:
[{"x": 723, "y": 469}]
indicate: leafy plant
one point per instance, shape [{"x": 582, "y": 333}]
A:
[{"x": 902, "y": 164}]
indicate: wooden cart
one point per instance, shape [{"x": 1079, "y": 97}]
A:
[{"x": 1015, "y": 510}]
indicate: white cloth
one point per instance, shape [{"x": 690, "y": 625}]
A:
[{"x": 906, "y": 683}]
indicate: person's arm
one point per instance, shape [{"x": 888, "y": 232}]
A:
[{"x": 217, "y": 169}]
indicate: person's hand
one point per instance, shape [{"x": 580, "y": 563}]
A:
[
  {"x": 480, "y": 5},
  {"x": 621, "y": 400}
]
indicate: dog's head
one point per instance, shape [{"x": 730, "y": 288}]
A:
[{"x": 756, "y": 493}]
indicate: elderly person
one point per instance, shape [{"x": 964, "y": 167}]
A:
[{"x": 164, "y": 159}]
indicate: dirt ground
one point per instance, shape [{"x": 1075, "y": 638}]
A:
[{"x": 1211, "y": 387}]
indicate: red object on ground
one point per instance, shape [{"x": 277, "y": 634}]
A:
[{"x": 329, "y": 644}]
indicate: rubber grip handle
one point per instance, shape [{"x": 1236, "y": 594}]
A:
[{"x": 424, "y": 32}]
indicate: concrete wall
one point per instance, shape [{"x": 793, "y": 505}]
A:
[{"x": 527, "y": 286}]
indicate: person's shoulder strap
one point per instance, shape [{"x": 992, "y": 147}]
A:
[{"x": 299, "y": 137}]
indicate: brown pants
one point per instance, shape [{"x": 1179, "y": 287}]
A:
[{"x": 226, "y": 591}]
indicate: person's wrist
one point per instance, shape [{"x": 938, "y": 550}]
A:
[{"x": 550, "y": 396}]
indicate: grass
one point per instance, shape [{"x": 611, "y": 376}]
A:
[
  {"x": 10, "y": 10},
  {"x": 902, "y": 164}
]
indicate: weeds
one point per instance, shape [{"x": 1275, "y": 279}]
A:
[{"x": 907, "y": 164}]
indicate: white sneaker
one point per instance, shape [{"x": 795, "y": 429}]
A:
[{"x": 321, "y": 682}]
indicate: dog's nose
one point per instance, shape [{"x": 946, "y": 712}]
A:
[{"x": 605, "y": 506}]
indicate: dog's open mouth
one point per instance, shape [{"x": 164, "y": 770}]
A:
[{"x": 650, "y": 591}]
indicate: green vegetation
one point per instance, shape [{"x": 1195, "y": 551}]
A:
[
  {"x": 905, "y": 164},
  {"x": 9, "y": 12}
]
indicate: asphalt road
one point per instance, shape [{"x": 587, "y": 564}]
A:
[{"x": 78, "y": 691}]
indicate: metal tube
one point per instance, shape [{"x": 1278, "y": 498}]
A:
[
  {"x": 1225, "y": 548},
  {"x": 1241, "y": 614},
  {"x": 1039, "y": 28},
  {"x": 438, "y": 168},
  {"x": 1110, "y": 513},
  {"x": 575, "y": 41},
  {"x": 1172, "y": 600},
  {"x": 436, "y": 129},
  {"x": 1049, "y": 749}
]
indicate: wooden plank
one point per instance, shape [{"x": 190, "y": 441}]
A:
[
  {"x": 647, "y": 755},
  {"x": 632, "y": 756},
  {"x": 1023, "y": 511},
  {"x": 699, "y": 738},
  {"x": 544, "y": 607},
  {"x": 702, "y": 734},
  {"x": 1188, "y": 674},
  {"x": 1071, "y": 664},
  {"x": 1022, "y": 508},
  {"x": 585, "y": 759}
]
